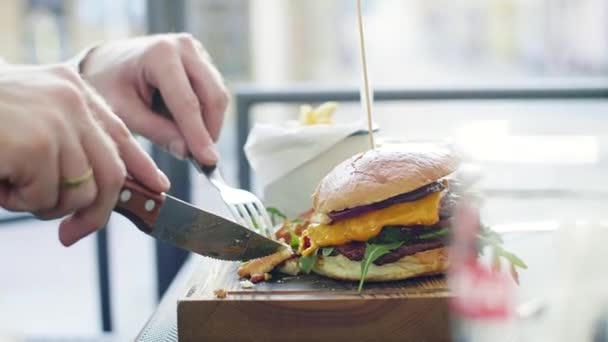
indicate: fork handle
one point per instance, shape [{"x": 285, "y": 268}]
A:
[
  {"x": 214, "y": 175},
  {"x": 208, "y": 170},
  {"x": 139, "y": 204}
]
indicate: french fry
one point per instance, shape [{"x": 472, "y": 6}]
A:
[
  {"x": 322, "y": 115},
  {"x": 326, "y": 111}
]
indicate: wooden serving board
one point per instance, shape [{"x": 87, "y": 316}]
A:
[{"x": 310, "y": 308}]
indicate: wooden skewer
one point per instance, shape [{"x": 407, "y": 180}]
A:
[{"x": 365, "y": 78}]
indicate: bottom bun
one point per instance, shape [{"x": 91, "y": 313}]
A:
[{"x": 433, "y": 261}]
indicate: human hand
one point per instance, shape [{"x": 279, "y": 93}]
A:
[
  {"x": 128, "y": 73},
  {"x": 55, "y": 128}
]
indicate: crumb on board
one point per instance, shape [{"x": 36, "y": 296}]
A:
[
  {"x": 246, "y": 284},
  {"x": 220, "y": 293}
]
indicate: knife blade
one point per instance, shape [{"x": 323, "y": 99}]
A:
[{"x": 188, "y": 227}]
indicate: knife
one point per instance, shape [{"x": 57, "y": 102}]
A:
[{"x": 183, "y": 225}]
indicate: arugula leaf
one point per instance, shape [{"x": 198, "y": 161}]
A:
[
  {"x": 434, "y": 233},
  {"x": 307, "y": 262},
  {"x": 495, "y": 246},
  {"x": 490, "y": 235},
  {"x": 297, "y": 220},
  {"x": 487, "y": 238},
  {"x": 274, "y": 213},
  {"x": 390, "y": 234},
  {"x": 326, "y": 251},
  {"x": 372, "y": 253},
  {"x": 295, "y": 241},
  {"x": 512, "y": 258}
]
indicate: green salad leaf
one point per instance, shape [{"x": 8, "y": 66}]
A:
[
  {"x": 512, "y": 258},
  {"x": 295, "y": 241},
  {"x": 392, "y": 234},
  {"x": 372, "y": 253},
  {"x": 492, "y": 241},
  {"x": 488, "y": 237},
  {"x": 326, "y": 251},
  {"x": 307, "y": 262},
  {"x": 435, "y": 233},
  {"x": 274, "y": 213}
]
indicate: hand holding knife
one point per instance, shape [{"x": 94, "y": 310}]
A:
[{"x": 188, "y": 227}]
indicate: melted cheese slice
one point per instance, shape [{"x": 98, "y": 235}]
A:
[{"x": 424, "y": 211}]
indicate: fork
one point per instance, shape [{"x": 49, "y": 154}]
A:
[{"x": 246, "y": 207}]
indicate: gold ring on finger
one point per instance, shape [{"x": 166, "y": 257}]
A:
[{"x": 77, "y": 181}]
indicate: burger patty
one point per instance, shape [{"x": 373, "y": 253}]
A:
[
  {"x": 356, "y": 250},
  {"x": 446, "y": 206},
  {"x": 407, "y": 197}
]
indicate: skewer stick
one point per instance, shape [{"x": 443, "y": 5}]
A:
[{"x": 368, "y": 103}]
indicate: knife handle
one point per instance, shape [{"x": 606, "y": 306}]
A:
[{"x": 140, "y": 205}]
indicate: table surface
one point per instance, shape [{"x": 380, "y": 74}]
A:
[
  {"x": 533, "y": 247},
  {"x": 162, "y": 325}
]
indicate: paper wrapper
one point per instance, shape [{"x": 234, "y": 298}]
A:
[
  {"x": 275, "y": 150},
  {"x": 289, "y": 159}
]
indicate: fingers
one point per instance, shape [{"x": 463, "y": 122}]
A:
[
  {"x": 158, "y": 129},
  {"x": 208, "y": 86},
  {"x": 172, "y": 81},
  {"x": 109, "y": 174},
  {"x": 73, "y": 164},
  {"x": 137, "y": 161},
  {"x": 109, "y": 169},
  {"x": 36, "y": 190}
]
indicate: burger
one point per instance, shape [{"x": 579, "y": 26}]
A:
[{"x": 382, "y": 215}]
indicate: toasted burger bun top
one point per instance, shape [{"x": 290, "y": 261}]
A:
[{"x": 382, "y": 173}]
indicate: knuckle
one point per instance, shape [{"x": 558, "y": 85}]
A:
[
  {"x": 41, "y": 142},
  {"x": 191, "y": 104},
  {"x": 162, "y": 47},
  {"x": 185, "y": 38},
  {"x": 55, "y": 120},
  {"x": 116, "y": 178},
  {"x": 120, "y": 132},
  {"x": 67, "y": 73},
  {"x": 69, "y": 95},
  {"x": 199, "y": 46},
  {"x": 220, "y": 102}
]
